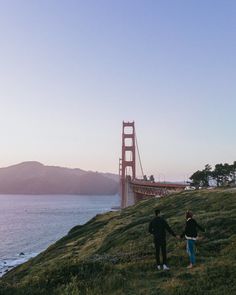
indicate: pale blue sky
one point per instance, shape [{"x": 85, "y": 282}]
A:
[{"x": 72, "y": 71}]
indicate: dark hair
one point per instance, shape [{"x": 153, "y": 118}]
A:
[
  {"x": 189, "y": 214},
  {"x": 157, "y": 211}
]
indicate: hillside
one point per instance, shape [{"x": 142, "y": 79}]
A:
[
  {"x": 36, "y": 178},
  {"x": 113, "y": 253}
]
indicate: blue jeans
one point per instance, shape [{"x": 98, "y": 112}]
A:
[{"x": 191, "y": 250}]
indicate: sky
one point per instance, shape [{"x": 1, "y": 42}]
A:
[{"x": 72, "y": 71}]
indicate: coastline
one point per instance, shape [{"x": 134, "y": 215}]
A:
[
  {"x": 113, "y": 253},
  {"x": 8, "y": 264},
  {"x": 24, "y": 235}
]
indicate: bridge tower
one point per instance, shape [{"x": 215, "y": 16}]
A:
[{"x": 127, "y": 161}]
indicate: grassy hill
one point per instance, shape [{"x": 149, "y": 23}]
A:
[{"x": 113, "y": 253}]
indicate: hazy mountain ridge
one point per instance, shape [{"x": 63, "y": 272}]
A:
[{"x": 36, "y": 178}]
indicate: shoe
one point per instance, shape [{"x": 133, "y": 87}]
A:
[
  {"x": 158, "y": 267},
  {"x": 190, "y": 265},
  {"x": 165, "y": 267}
]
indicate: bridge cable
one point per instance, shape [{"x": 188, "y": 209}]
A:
[{"x": 140, "y": 162}]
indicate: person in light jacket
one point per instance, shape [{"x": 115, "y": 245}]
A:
[{"x": 191, "y": 235}]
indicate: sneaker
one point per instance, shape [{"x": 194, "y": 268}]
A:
[
  {"x": 190, "y": 265},
  {"x": 165, "y": 267},
  {"x": 158, "y": 267}
]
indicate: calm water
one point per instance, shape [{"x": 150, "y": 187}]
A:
[{"x": 29, "y": 224}]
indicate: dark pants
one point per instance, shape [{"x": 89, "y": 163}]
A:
[{"x": 160, "y": 245}]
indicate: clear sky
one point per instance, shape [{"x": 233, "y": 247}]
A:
[{"x": 72, "y": 70}]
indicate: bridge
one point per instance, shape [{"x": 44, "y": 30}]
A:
[{"x": 133, "y": 189}]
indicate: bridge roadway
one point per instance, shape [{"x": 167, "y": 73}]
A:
[{"x": 144, "y": 189}]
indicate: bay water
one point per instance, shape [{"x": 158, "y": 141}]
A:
[{"x": 30, "y": 223}]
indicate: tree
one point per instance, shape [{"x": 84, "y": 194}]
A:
[
  {"x": 197, "y": 178},
  {"x": 223, "y": 174},
  {"x": 151, "y": 178},
  {"x": 218, "y": 174},
  {"x": 207, "y": 174},
  {"x": 201, "y": 177},
  {"x": 234, "y": 172}
]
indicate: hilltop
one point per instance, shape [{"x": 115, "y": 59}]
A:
[
  {"x": 113, "y": 253},
  {"x": 35, "y": 178}
]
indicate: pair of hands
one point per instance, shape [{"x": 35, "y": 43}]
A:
[
  {"x": 178, "y": 237},
  {"x": 200, "y": 238}
]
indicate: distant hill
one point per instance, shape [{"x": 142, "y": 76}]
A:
[
  {"x": 36, "y": 178},
  {"x": 113, "y": 253}
]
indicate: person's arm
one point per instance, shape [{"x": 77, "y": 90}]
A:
[
  {"x": 150, "y": 228},
  {"x": 198, "y": 226},
  {"x": 169, "y": 229}
]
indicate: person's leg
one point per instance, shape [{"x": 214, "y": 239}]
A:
[
  {"x": 191, "y": 251},
  {"x": 187, "y": 247},
  {"x": 163, "y": 252},
  {"x": 157, "y": 246},
  {"x": 164, "y": 256}
]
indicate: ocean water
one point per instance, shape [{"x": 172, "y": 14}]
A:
[{"x": 29, "y": 224}]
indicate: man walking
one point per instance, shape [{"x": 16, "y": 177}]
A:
[{"x": 158, "y": 227}]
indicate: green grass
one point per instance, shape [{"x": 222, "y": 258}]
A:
[{"x": 113, "y": 253}]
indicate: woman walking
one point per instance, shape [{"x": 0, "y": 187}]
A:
[{"x": 190, "y": 234}]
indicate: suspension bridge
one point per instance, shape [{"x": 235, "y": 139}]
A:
[{"x": 133, "y": 189}]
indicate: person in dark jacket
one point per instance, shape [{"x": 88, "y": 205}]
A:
[
  {"x": 158, "y": 227},
  {"x": 190, "y": 233}
]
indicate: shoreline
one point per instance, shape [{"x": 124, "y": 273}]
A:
[
  {"x": 22, "y": 251},
  {"x": 8, "y": 264}
]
